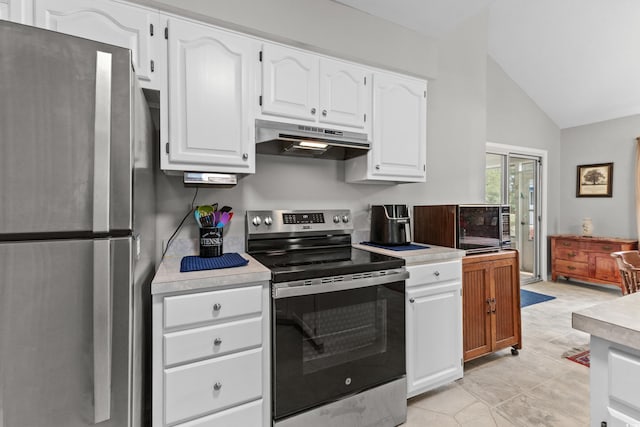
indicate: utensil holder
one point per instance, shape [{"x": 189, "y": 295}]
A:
[{"x": 210, "y": 242}]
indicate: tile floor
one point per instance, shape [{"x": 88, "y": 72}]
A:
[{"x": 536, "y": 388}]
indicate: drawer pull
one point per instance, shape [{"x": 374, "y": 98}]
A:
[
  {"x": 217, "y": 306},
  {"x": 217, "y": 386},
  {"x": 566, "y": 243},
  {"x": 436, "y": 273},
  {"x": 412, "y": 300},
  {"x": 571, "y": 254},
  {"x": 607, "y": 248},
  {"x": 217, "y": 341},
  {"x": 571, "y": 267}
]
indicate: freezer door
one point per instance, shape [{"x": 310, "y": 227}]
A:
[
  {"x": 65, "y": 133},
  {"x": 65, "y": 346}
]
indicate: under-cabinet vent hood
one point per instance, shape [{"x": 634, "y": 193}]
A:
[{"x": 308, "y": 141}]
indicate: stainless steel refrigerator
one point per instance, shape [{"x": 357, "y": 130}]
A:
[{"x": 76, "y": 231}]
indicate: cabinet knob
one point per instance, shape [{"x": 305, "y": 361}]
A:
[
  {"x": 217, "y": 306},
  {"x": 324, "y": 113},
  {"x": 436, "y": 273},
  {"x": 217, "y": 386},
  {"x": 377, "y": 167},
  {"x": 217, "y": 341},
  {"x": 245, "y": 156},
  {"x": 313, "y": 111},
  {"x": 412, "y": 300}
]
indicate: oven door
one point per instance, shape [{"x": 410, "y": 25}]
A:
[{"x": 332, "y": 344}]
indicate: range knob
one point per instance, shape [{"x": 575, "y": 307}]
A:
[
  {"x": 345, "y": 218},
  {"x": 256, "y": 221},
  {"x": 268, "y": 221},
  {"x": 336, "y": 219}
]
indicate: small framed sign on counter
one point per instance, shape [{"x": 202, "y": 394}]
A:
[{"x": 594, "y": 180}]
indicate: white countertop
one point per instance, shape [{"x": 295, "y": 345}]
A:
[
  {"x": 617, "y": 321},
  {"x": 168, "y": 278},
  {"x": 429, "y": 254}
]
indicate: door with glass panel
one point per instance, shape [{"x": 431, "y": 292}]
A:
[{"x": 514, "y": 179}]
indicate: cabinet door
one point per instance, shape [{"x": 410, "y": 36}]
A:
[
  {"x": 344, "y": 98},
  {"x": 434, "y": 336},
  {"x": 399, "y": 128},
  {"x": 289, "y": 83},
  {"x": 603, "y": 267},
  {"x": 210, "y": 81},
  {"x": 476, "y": 310},
  {"x": 507, "y": 302},
  {"x": 14, "y": 10},
  {"x": 108, "y": 22}
]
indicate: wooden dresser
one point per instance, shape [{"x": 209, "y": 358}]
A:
[{"x": 588, "y": 258}]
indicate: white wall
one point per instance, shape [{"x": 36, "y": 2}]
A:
[
  {"x": 456, "y": 134},
  {"x": 603, "y": 142}
]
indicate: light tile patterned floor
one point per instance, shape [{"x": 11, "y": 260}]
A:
[{"x": 536, "y": 388}]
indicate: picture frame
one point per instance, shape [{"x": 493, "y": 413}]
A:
[{"x": 594, "y": 180}]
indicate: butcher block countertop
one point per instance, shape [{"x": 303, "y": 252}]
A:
[
  {"x": 429, "y": 254},
  {"x": 168, "y": 278},
  {"x": 617, "y": 320}
]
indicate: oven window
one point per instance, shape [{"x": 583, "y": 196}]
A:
[
  {"x": 341, "y": 335},
  {"x": 334, "y": 344}
]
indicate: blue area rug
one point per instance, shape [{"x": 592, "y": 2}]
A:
[{"x": 530, "y": 298}]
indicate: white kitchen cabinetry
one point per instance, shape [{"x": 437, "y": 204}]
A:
[
  {"x": 15, "y": 10},
  {"x": 433, "y": 325},
  {"x": 314, "y": 89},
  {"x": 210, "y": 356},
  {"x": 108, "y": 21},
  {"x": 398, "y": 149},
  {"x": 210, "y": 104},
  {"x": 615, "y": 374}
]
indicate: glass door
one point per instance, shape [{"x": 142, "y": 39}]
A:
[{"x": 514, "y": 179}]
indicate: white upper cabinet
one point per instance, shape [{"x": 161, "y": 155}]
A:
[
  {"x": 210, "y": 110},
  {"x": 344, "y": 97},
  {"x": 107, "y": 21},
  {"x": 310, "y": 88},
  {"x": 398, "y": 149},
  {"x": 15, "y": 10}
]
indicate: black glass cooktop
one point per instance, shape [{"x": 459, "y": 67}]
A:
[{"x": 314, "y": 263}]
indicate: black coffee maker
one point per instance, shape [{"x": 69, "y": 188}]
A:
[{"x": 389, "y": 224}]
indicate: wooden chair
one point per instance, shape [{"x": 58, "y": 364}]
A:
[{"x": 629, "y": 265}]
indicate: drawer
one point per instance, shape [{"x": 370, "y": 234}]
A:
[
  {"x": 215, "y": 305},
  {"x": 434, "y": 273},
  {"x": 605, "y": 247},
  {"x": 249, "y": 414},
  {"x": 572, "y": 255},
  {"x": 217, "y": 340},
  {"x": 212, "y": 385},
  {"x": 571, "y": 268},
  {"x": 567, "y": 244},
  {"x": 623, "y": 367}
]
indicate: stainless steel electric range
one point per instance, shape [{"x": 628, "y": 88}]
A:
[{"x": 338, "y": 321}]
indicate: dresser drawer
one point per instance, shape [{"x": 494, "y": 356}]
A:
[
  {"x": 572, "y": 255},
  {"x": 434, "y": 273},
  {"x": 211, "y": 385},
  {"x": 606, "y": 247},
  {"x": 249, "y": 414},
  {"x": 571, "y": 268},
  {"x": 215, "y": 305},
  {"x": 208, "y": 341},
  {"x": 567, "y": 244}
]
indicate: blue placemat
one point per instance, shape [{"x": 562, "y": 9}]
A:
[
  {"x": 409, "y": 247},
  {"x": 195, "y": 263}
]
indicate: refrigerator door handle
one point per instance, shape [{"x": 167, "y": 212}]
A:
[
  {"x": 102, "y": 327},
  {"x": 102, "y": 144}
]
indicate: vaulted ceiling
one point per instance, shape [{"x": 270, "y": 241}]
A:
[{"x": 579, "y": 60}]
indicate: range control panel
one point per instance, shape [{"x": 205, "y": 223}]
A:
[{"x": 281, "y": 221}]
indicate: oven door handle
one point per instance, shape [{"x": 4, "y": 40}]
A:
[{"x": 283, "y": 290}]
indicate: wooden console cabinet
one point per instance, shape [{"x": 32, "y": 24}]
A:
[
  {"x": 588, "y": 258},
  {"x": 490, "y": 303}
]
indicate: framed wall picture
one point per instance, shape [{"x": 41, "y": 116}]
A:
[{"x": 594, "y": 180}]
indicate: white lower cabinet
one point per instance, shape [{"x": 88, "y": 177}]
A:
[
  {"x": 614, "y": 379},
  {"x": 15, "y": 10},
  {"x": 211, "y": 364},
  {"x": 433, "y": 325}
]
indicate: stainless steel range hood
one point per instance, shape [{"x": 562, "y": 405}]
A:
[{"x": 308, "y": 141}]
